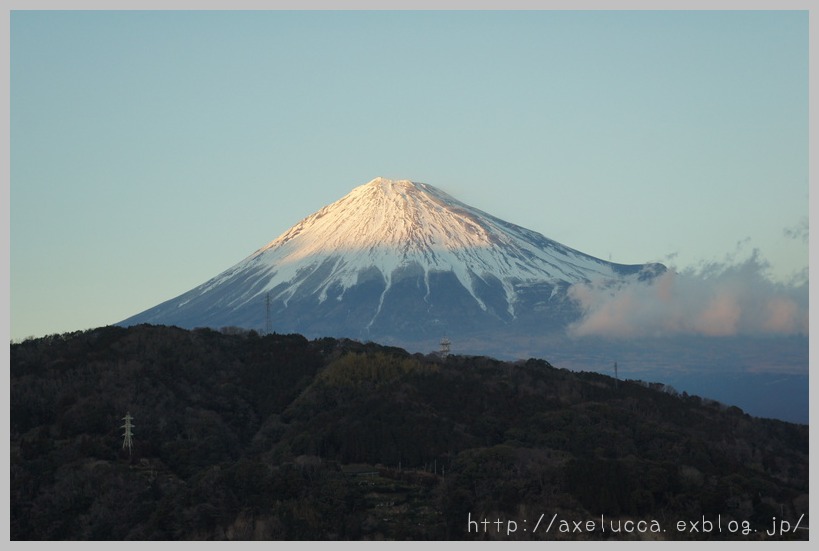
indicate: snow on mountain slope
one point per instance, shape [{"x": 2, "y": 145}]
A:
[
  {"x": 388, "y": 224},
  {"x": 386, "y": 231}
]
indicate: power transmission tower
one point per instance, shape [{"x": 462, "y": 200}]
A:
[
  {"x": 616, "y": 378},
  {"x": 445, "y": 343},
  {"x": 267, "y": 327},
  {"x": 127, "y": 437}
]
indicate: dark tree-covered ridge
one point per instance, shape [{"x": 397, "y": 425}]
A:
[{"x": 275, "y": 437}]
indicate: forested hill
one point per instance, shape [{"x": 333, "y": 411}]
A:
[{"x": 241, "y": 436}]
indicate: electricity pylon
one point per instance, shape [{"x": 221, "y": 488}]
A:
[
  {"x": 445, "y": 344},
  {"x": 127, "y": 437}
]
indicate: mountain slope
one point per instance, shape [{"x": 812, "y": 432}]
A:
[{"x": 396, "y": 260}]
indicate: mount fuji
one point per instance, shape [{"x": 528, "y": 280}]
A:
[{"x": 399, "y": 262}]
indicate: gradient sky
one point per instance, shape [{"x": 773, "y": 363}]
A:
[{"x": 152, "y": 150}]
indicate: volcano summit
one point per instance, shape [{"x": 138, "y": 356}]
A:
[{"x": 398, "y": 262}]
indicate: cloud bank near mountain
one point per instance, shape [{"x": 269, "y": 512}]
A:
[{"x": 716, "y": 299}]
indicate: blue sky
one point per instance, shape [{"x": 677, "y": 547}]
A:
[{"x": 152, "y": 150}]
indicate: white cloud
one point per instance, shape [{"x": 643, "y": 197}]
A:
[{"x": 716, "y": 299}]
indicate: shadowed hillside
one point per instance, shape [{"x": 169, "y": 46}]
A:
[{"x": 239, "y": 436}]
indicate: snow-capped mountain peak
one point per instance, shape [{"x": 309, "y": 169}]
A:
[
  {"x": 391, "y": 240},
  {"x": 390, "y": 224},
  {"x": 386, "y": 213}
]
